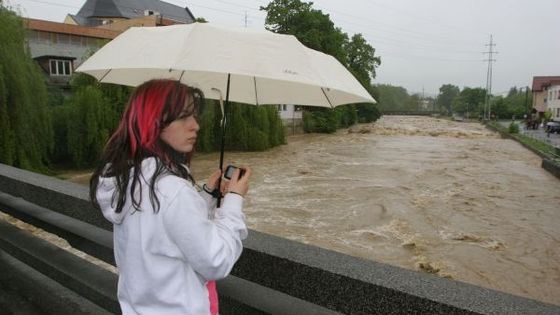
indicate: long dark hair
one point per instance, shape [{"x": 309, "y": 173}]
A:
[{"x": 151, "y": 107}]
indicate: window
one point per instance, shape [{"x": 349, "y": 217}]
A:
[
  {"x": 284, "y": 107},
  {"x": 60, "y": 67},
  {"x": 279, "y": 107}
]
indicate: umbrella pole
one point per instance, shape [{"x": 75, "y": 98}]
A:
[{"x": 226, "y": 107}]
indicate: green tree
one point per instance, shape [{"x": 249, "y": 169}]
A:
[
  {"x": 320, "y": 120},
  {"x": 361, "y": 63},
  {"x": 250, "y": 128},
  {"x": 316, "y": 30},
  {"x": 414, "y": 102},
  {"x": 208, "y": 135},
  {"x": 470, "y": 100},
  {"x": 276, "y": 128},
  {"x": 515, "y": 104},
  {"x": 361, "y": 59},
  {"x": 311, "y": 27},
  {"x": 26, "y": 136},
  {"x": 84, "y": 122},
  {"x": 447, "y": 93},
  {"x": 90, "y": 122},
  {"x": 392, "y": 98},
  {"x": 348, "y": 115}
]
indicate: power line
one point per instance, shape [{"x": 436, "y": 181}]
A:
[
  {"x": 431, "y": 21},
  {"x": 374, "y": 38},
  {"x": 389, "y": 28},
  {"x": 425, "y": 37},
  {"x": 224, "y": 11}
]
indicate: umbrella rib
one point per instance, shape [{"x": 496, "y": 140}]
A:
[
  {"x": 256, "y": 92},
  {"x": 328, "y": 100},
  {"x": 183, "y": 72},
  {"x": 106, "y": 73}
]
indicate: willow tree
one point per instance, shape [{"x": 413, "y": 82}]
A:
[
  {"x": 84, "y": 122},
  {"x": 26, "y": 136}
]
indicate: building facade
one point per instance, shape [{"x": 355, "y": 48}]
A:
[
  {"x": 60, "y": 48},
  {"x": 553, "y": 101},
  {"x": 292, "y": 118},
  {"x": 545, "y": 94}
]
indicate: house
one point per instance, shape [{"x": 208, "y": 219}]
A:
[
  {"x": 292, "y": 118},
  {"x": 118, "y": 13},
  {"x": 553, "y": 100},
  {"x": 59, "y": 48},
  {"x": 546, "y": 95}
]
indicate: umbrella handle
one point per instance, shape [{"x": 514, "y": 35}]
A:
[{"x": 223, "y": 123}]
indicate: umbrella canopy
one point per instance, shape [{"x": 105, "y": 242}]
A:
[{"x": 263, "y": 67}]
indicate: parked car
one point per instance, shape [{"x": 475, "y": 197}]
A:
[{"x": 553, "y": 127}]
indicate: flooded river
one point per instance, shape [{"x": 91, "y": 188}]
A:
[
  {"x": 448, "y": 198},
  {"x": 443, "y": 197}
]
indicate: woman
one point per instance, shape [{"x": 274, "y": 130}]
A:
[{"x": 169, "y": 244}]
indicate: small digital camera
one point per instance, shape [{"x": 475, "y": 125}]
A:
[{"x": 229, "y": 172}]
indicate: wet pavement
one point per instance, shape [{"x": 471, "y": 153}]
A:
[{"x": 539, "y": 134}]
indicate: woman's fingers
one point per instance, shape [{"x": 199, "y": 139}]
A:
[
  {"x": 240, "y": 185},
  {"x": 224, "y": 187},
  {"x": 213, "y": 179}
]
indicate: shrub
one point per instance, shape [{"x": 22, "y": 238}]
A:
[{"x": 513, "y": 128}]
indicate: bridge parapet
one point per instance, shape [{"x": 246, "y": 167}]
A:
[{"x": 273, "y": 276}]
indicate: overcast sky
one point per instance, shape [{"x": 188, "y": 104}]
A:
[{"x": 422, "y": 44}]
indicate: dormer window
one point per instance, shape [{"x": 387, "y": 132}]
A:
[
  {"x": 60, "y": 67},
  {"x": 150, "y": 12}
]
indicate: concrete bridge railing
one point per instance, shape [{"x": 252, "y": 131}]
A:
[{"x": 273, "y": 276}]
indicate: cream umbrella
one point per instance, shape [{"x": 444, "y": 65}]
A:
[{"x": 250, "y": 66}]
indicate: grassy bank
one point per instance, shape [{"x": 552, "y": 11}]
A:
[{"x": 545, "y": 150}]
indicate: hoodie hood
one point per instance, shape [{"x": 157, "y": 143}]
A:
[
  {"x": 105, "y": 191},
  {"x": 107, "y": 196}
]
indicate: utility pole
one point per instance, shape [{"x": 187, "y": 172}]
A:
[
  {"x": 526, "y": 97},
  {"x": 245, "y": 19},
  {"x": 490, "y": 60}
]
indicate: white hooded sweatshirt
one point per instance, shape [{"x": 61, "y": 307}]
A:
[{"x": 164, "y": 259}]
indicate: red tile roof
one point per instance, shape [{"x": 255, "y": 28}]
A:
[
  {"x": 54, "y": 27},
  {"x": 539, "y": 83}
]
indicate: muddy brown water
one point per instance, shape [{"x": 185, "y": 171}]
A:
[
  {"x": 449, "y": 198},
  {"x": 443, "y": 197}
]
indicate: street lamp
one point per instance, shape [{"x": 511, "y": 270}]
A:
[{"x": 526, "y": 97}]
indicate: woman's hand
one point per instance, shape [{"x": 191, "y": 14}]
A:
[
  {"x": 213, "y": 180},
  {"x": 238, "y": 185}
]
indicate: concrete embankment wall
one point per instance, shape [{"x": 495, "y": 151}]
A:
[{"x": 273, "y": 275}]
